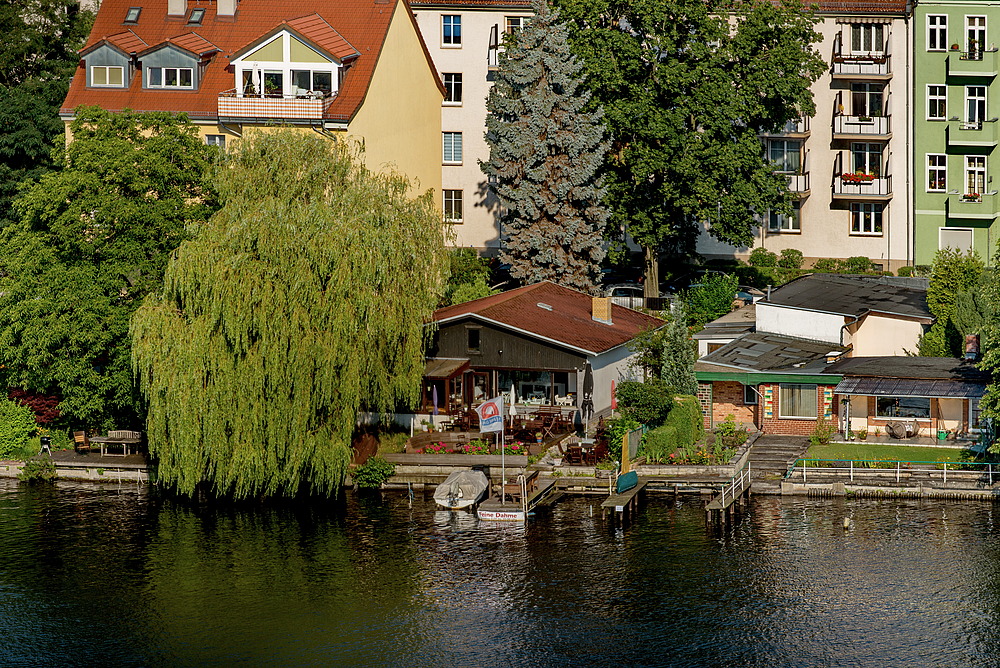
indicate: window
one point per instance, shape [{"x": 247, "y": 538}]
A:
[
  {"x": 866, "y": 38},
  {"x": 451, "y": 30},
  {"x": 169, "y": 77},
  {"x": 712, "y": 347},
  {"x": 132, "y": 15},
  {"x": 779, "y": 222},
  {"x": 866, "y": 99},
  {"x": 974, "y": 420},
  {"x": 473, "y": 339},
  {"x": 452, "y": 148},
  {"x": 103, "y": 75},
  {"x": 796, "y": 401},
  {"x": 975, "y": 106},
  {"x": 937, "y": 32},
  {"x": 866, "y": 218},
  {"x": 937, "y": 102},
  {"x": 308, "y": 81},
  {"x": 749, "y": 395},
  {"x": 274, "y": 83},
  {"x": 785, "y": 155},
  {"x": 975, "y": 176},
  {"x": 197, "y": 14},
  {"x": 453, "y": 87},
  {"x": 975, "y": 33},
  {"x": 903, "y": 407},
  {"x": 959, "y": 238},
  {"x": 867, "y": 158},
  {"x": 937, "y": 172},
  {"x": 216, "y": 140},
  {"x": 515, "y": 23},
  {"x": 453, "y": 206}
]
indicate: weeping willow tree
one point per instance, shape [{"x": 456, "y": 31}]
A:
[{"x": 301, "y": 303}]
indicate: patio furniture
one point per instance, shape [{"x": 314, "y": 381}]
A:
[
  {"x": 80, "y": 442},
  {"x": 574, "y": 454},
  {"x": 124, "y": 438}
]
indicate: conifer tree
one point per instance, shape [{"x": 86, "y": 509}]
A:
[
  {"x": 546, "y": 152},
  {"x": 300, "y": 303},
  {"x": 679, "y": 354}
]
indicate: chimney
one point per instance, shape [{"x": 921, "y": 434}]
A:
[
  {"x": 600, "y": 309},
  {"x": 226, "y": 8},
  {"x": 971, "y": 347},
  {"x": 176, "y": 7}
]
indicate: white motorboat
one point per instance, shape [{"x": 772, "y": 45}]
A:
[{"x": 462, "y": 489}]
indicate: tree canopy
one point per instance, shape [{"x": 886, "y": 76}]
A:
[
  {"x": 302, "y": 302},
  {"x": 687, "y": 86},
  {"x": 952, "y": 274},
  {"x": 92, "y": 241},
  {"x": 546, "y": 151}
]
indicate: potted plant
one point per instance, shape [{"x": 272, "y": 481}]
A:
[
  {"x": 863, "y": 434},
  {"x": 954, "y": 47}
]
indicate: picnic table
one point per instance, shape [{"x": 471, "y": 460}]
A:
[{"x": 125, "y": 442}]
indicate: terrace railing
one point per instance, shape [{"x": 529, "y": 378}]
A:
[{"x": 973, "y": 472}]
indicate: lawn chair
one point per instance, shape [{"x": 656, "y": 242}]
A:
[
  {"x": 574, "y": 455},
  {"x": 80, "y": 442}
]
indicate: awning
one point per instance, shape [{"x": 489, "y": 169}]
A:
[
  {"x": 445, "y": 367},
  {"x": 908, "y": 387}
]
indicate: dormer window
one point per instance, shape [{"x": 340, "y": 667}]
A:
[
  {"x": 132, "y": 15},
  {"x": 104, "y": 75},
  {"x": 197, "y": 14},
  {"x": 169, "y": 77}
]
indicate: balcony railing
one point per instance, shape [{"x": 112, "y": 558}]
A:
[
  {"x": 862, "y": 66},
  {"x": 972, "y": 133},
  {"x": 288, "y": 108},
  {"x": 863, "y": 186},
  {"x": 798, "y": 183},
  {"x": 797, "y": 126},
  {"x": 981, "y": 206},
  {"x": 862, "y": 126},
  {"x": 982, "y": 63}
]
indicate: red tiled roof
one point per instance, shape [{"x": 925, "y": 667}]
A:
[
  {"x": 481, "y": 4},
  {"x": 126, "y": 41},
  {"x": 360, "y": 24},
  {"x": 189, "y": 41},
  {"x": 322, "y": 34},
  {"x": 569, "y": 322},
  {"x": 861, "y": 6}
]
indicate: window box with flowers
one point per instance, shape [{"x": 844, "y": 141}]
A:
[
  {"x": 857, "y": 177},
  {"x": 972, "y": 197}
]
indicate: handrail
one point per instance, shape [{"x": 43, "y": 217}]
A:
[
  {"x": 741, "y": 478},
  {"x": 957, "y": 467}
]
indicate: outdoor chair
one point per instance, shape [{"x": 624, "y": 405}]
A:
[
  {"x": 574, "y": 455},
  {"x": 80, "y": 442}
]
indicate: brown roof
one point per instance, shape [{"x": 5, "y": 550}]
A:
[
  {"x": 861, "y": 6},
  {"x": 549, "y": 311},
  {"x": 345, "y": 27},
  {"x": 520, "y": 5}
]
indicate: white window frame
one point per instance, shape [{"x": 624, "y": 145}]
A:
[
  {"x": 107, "y": 71},
  {"x": 975, "y": 32},
  {"x": 250, "y": 72},
  {"x": 937, "y": 23},
  {"x": 451, "y": 89},
  {"x": 451, "y": 41},
  {"x": 978, "y": 113},
  {"x": 785, "y": 144},
  {"x": 872, "y": 99},
  {"x": 778, "y": 223},
  {"x": 449, "y": 197},
  {"x": 934, "y": 96},
  {"x": 799, "y": 386},
  {"x": 163, "y": 77},
  {"x": 515, "y": 23},
  {"x": 216, "y": 140},
  {"x": 938, "y": 170},
  {"x": 450, "y": 155},
  {"x": 866, "y": 218},
  {"x": 868, "y": 30},
  {"x": 975, "y": 174},
  {"x": 872, "y": 158}
]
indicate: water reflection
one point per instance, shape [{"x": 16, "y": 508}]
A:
[{"x": 119, "y": 576}]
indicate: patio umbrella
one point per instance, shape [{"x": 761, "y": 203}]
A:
[
  {"x": 587, "y": 407},
  {"x": 434, "y": 399}
]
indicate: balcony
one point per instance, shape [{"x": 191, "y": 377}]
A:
[
  {"x": 981, "y": 63},
  {"x": 798, "y": 184},
  {"x": 863, "y": 187},
  {"x": 862, "y": 127},
  {"x": 972, "y": 133},
  {"x": 798, "y": 127},
  {"x": 973, "y": 207},
  {"x": 264, "y": 108},
  {"x": 866, "y": 67}
]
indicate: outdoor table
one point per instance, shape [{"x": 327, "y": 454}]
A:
[{"x": 105, "y": 441}]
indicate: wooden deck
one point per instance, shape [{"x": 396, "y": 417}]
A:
[{"x": 622, "y": 507}]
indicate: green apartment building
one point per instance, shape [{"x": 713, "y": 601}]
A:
[{"x": 956, "y": 128}]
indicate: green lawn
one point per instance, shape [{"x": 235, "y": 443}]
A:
[{"x": 903, "y": 453}]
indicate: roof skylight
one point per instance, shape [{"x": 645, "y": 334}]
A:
[
  {"x": 197, "y": 14},
  {"x": 132, "y": 15}
]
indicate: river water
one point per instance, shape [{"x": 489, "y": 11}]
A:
[{"x": 93, "y": 576}]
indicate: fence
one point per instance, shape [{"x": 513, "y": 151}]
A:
[{"x": 868, "y": 468}]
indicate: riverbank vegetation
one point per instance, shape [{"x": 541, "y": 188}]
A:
[{"x": 877, "y": 451}]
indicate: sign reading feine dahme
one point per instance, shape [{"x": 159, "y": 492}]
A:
[{"x": 491, "y": 415}]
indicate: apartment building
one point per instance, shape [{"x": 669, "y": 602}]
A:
[
  {"x": 353, "y": 68},
  {"x": 464, "y": 38},
  {"x": 956, "y": 128},
  {"x": 850, "y": 165}
]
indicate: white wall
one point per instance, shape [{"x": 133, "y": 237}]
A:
[
  {"x": 613, "y": 365},
  {"x": 880, "y": 336},
  {"x": 799, "y": 323}
]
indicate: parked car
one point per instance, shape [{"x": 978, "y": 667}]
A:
[{"x": 628, "y": 295}]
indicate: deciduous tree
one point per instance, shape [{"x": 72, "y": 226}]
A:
[
  {"x": 302, "y": 302},
  {"x": 546, "y": 151}
]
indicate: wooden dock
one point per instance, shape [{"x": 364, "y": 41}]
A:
[
  {"x": 621, "y": 508},
  {"x": 517, "y": 511},
  {"x": 736, "y": 490}
]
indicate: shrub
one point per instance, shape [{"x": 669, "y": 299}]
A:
[
  {"x": 858, "y": 264},
  {"x": 647, "y": 403},
  {"x": 827, "y": 265},
  {"x": 761, "y": 257},
  {"x": 17, "y": 424},
  {"x": 686, "y": 418},
  {"x": 730, "y": 435},
  {"x": 658, "y": 444},
  {"x": 373, "y": 473},
  {"x": 614, "y": 430},
  {"x": 822, "y": 433},
  {"x": 791, "y": 258},
  {"x": 906, "y": 271},
  {"x": 38, "y": 469}
]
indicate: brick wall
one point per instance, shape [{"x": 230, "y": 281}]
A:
[
  {"x": 770, "y": 409},
  {"x": 705, "y": 400},
  {"x": 727, "y": 399}
]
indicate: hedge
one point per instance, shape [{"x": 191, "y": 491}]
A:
[{"x": 682, "y": 428}]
